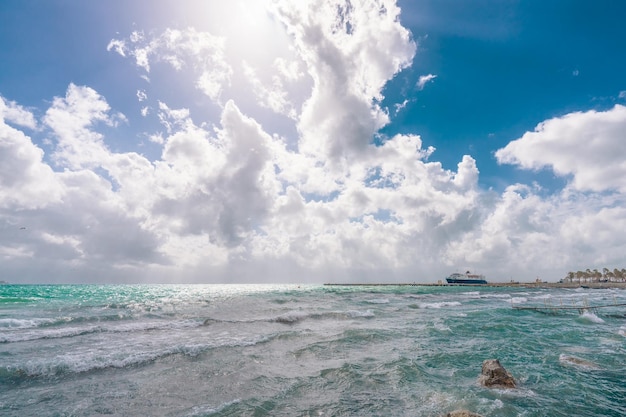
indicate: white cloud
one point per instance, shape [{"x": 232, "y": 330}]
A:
[
  {"x": 118, "y": 46},
  {"x": 399, "y": 107},
  {"x": 141, "y": 95},
  {"x": 26, "y": 182},
  {"x": 13, "y": 113},
  {"x": 423, "y": 79},
  {"x": 71, "y": 119},
  {"x": 270, "y": 95},
  {"x": 227, "y": 200},
  {"x": 202, "y": 51},
  {"x": 351, "y": 51},
  {"x": 588, "y": 146},
  {"x": 73, "y": 218},
  {"x": 291, "y": 71}
]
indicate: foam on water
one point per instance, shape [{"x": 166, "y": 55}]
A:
[
  {"x": 590, "y": 317},
  {"x": 10, "y": 323},
  {"x": 315, "y": 350},
  {"x": 441, "y": 304},
  {"x": 209, "y": 410},
  {"x": 378, "y": 301}
]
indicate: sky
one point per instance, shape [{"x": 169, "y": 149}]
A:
[{"x": 316, "y": 141}]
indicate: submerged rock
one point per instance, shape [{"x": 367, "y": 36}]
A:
[
  {"x": 495, "y": 376},
  {"x": 573, "y": 360},
  {"x": 462, "y": 413}
]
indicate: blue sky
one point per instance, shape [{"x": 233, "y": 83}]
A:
[{"x": 161, "y": 141}]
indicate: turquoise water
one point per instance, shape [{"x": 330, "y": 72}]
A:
[{"x": 289, "y": 350}]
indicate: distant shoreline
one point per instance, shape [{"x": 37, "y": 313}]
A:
[{"x": 591, "y": 285}]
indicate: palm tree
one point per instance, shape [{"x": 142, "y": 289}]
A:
[
  {"x": 579, "y": 275},
  {"x": 596, "y": 275}
]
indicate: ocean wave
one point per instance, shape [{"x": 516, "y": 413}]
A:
[
  {"x": 542, "y": 297},
  {"x": 16, "y": 299},
  {"x": 92, "y": 360},
  {"x": 48, "y": 334},
  {"x": 291, "y": 317},
  {"x": 38, "y": 333},
  {"x": 500, "y": 295},
  {"x": 440, "y": 304},
  {"x": 43, "y": 322},
  {"x": 474, "y": 294},
  {"x": 207, "y": 410},
  {"x": 622, "y": 331},
  {"x": 518, "y": 300},
  {"x": 298, "y": 316},
  {"x": 588, "y": 316},
  {"x": 438, "y": 325},
  {"x": 378, "y": 301},
  {"x": 24, "y": 323}
]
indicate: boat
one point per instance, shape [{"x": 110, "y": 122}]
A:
[{"x": 466, "y": 278}]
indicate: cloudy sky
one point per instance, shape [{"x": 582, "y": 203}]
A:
[{"x": 310, "y": 141}]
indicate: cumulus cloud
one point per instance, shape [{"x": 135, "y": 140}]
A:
[
  {"x": 424, "y": 79},
  {"x": 230, "y": 199},
  {"x": 351, "y": 50},
  {"x": 26, "y": 182},
  {"x": 72, "y": 119},
  {"x": 179, "y": 48},
  {"x": 270, "y": 95},
  {"x": 587, "y": 147}
]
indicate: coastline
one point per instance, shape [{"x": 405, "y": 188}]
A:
[{"x": 585, "y": 285}]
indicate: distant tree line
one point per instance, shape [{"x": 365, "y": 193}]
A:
[{"x": 593, "y": 275}]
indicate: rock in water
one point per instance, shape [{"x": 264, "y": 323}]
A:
[{"x": 495, "y": 376}]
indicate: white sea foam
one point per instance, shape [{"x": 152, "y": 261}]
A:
[
  {"x": 53, "y": 333},
  {"x": 28, "y": 333},
  {"x": 497, "y": 404},
  {"x": 378, "y": 301},
  {"x": 204, "y": 410},
  {"x": 543, "y": 297},
  {"x": 438, "y": 324},
  {"x": 590, "y": 317},
  {"x": 292, "y": 317},
  {"x": 518, "y": 300},
  {"x": 24, "y": 323},
  {"x": 440, "y": 304},
  {"x": 356, "y": 314},
  {"x": 496, "y": 295},
  {"x": 130, "y": 353},
  {"x": 472, "y": 294},
  {"x": 243, "y": 350}
]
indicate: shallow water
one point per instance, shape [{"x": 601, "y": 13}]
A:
[{"x": 263, "y": 350}]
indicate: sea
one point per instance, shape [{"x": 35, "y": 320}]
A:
[{"x": 309, "y": 350}]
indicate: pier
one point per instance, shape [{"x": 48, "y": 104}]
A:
[
  {"x": 535, "y": 284},
  {"x": 558, "y": 309}
]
